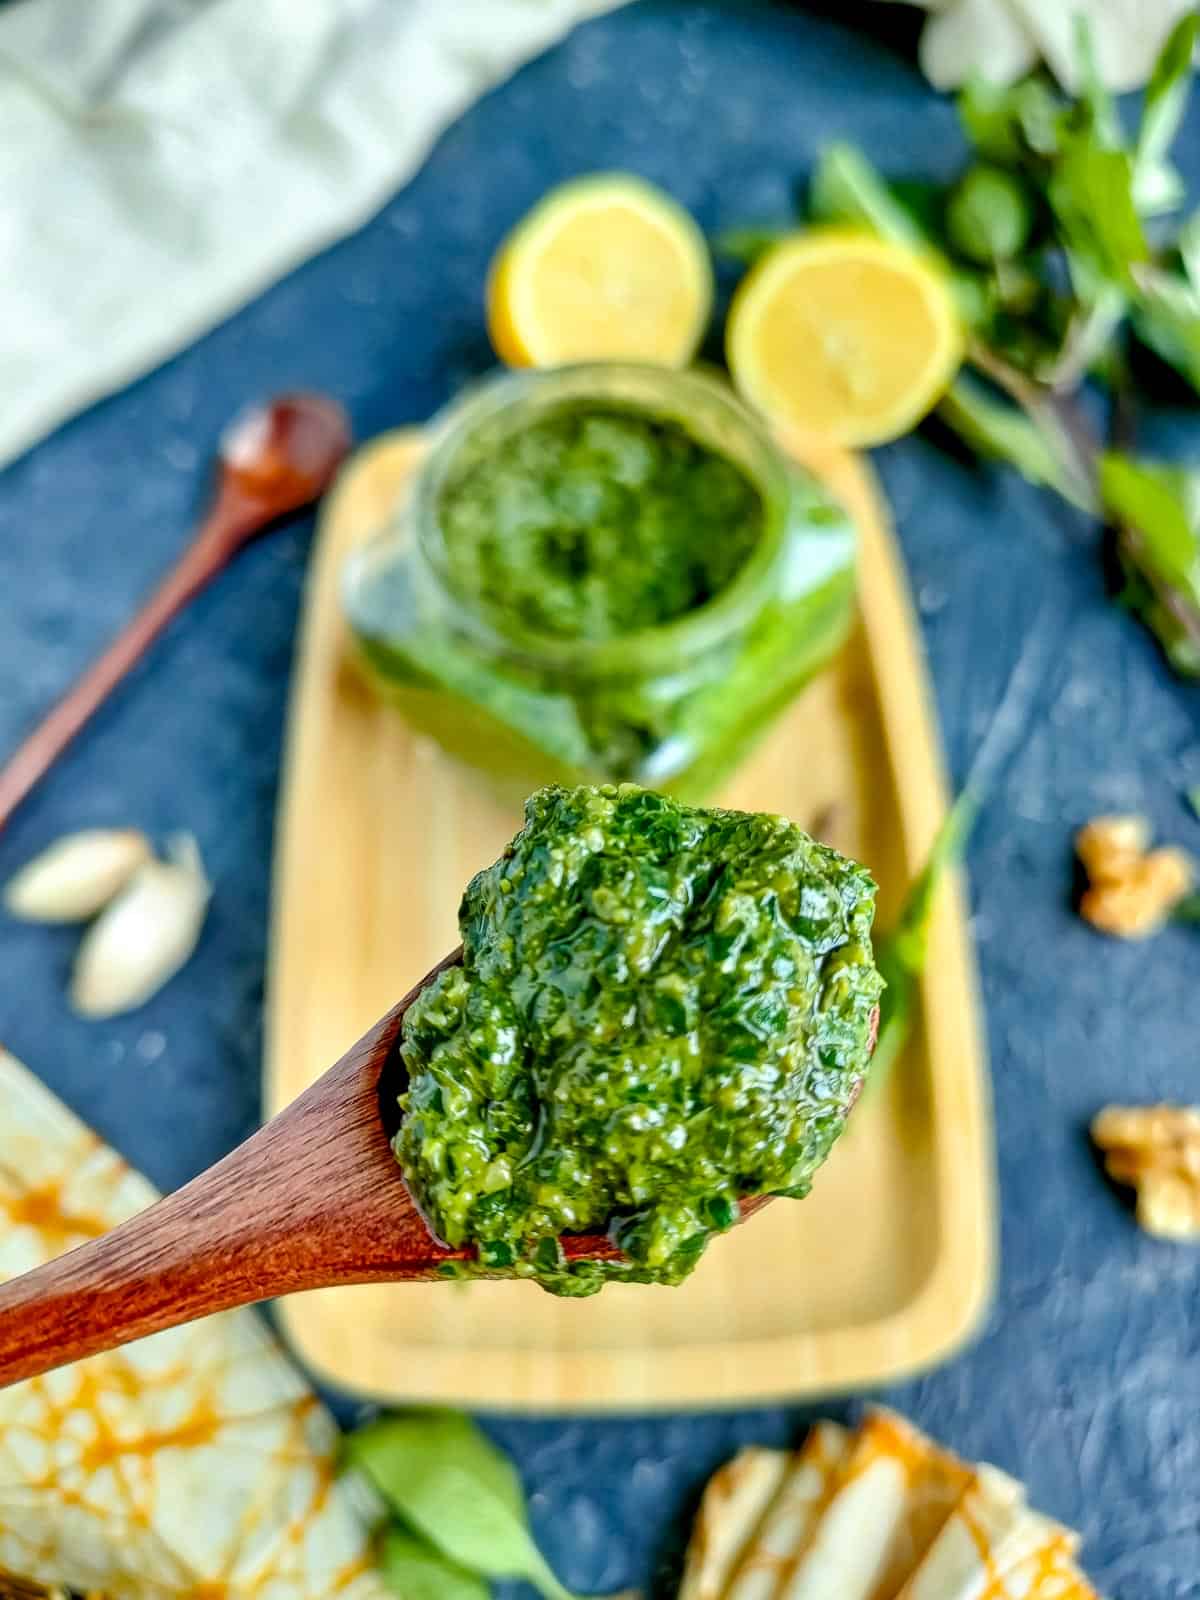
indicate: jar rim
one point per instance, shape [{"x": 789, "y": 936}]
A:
[{"x": 680, "y": 396}]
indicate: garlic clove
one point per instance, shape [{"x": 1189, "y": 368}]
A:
[
  {"x": 144, "y": 936},
  {"x": 77, "y": 875}
]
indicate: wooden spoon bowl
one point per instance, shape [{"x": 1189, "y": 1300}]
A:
[{"x": 274, "y": 460}]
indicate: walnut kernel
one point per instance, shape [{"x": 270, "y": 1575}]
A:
[
  {"x": 1156, "y": 1150},
  {"x": 1132, "y": 891},
  {"x": 1108, "y": 846}
]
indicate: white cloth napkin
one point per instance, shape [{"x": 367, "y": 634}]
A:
[{"x": 162, "y": 161}]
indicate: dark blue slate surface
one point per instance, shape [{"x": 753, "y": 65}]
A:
[{"x": 1086, "y": 1379}]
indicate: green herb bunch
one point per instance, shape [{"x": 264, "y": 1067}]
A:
[
  {"x": 1068, "y": 242},
  {"x": 456, "y": 1515}
]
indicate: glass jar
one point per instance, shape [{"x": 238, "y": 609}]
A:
[{"x": 672, "y": 707}]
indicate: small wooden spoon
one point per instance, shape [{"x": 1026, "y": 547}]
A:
[
  {"x": 274, "y": 460},
  {"x": 314, "y": 1198}
]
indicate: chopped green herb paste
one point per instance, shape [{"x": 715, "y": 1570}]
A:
[
  {"x": 593, "y": 523},
  {"x": 661, "y": 1011}
]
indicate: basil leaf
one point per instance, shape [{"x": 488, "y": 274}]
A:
[
  {"x": 897, "y": 1009},
  {"x": 1089, "y": 337},
  {"x": 909, "y": 939},
  {"x": 845, "y": 187},
  {"x": 1157, "y": 186},
  {"x": 1166, "y": 311},
  {"x": 988, "y": 116},
  {"x": 1091, "y": 194},
  {"x": 995, "y": 428},
  {"x": 1091, "y": 186},
  {"x": 1096, "y": 105},
  {"x": 452, "y": 1486},
  {"x": 1167, "y": 93},
  {"x": 418, "y": 1572},
  {"x": 1007, "y": 124},
  {"x": 988, "y": 214},
  {"x": 1166, "y": 318},
  {"x": 1188, "y": 244},
  {"x": 1157, "y": 512},
  {"x": 976, "y": 295},
  {"x": 1160, "y": 501},
  {"x": 901, "y": 954}
]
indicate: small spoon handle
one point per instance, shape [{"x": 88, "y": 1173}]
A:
[
  {"x": 211, "y": 547},
  {"x": 313, "y": 1198}
]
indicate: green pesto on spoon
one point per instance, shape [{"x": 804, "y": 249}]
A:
[{"x": 660, "y": 1017}]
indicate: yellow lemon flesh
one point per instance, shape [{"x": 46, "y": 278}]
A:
[
  {"x": 605, "y": 268},
  {"x": 842, "y": 337}
]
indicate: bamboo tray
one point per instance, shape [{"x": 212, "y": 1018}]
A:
[{"x": 884, "y": 1269}]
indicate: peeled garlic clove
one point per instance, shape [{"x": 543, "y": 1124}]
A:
[
  {"x": 145, "y": 935},
  {"x": 76, "y": 875}
]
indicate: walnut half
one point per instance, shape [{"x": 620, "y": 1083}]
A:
[
  {"x": 1132, "y": 890},
  {"x": 1156, "y": 1150}
]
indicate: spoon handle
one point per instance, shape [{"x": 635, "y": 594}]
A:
[
  {"x": 210, "y": 549},
  {"x": 312, "y": 1198}
]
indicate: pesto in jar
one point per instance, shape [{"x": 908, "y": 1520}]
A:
[
  {"x": 661, "y": 1010},
  {"x": 593, "y": 523},
  {"x": 602, "y": 574}
]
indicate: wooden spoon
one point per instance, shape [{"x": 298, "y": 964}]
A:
[
  {"x": 274, "y": 460},
  {"x": 314, "y": 1198}
]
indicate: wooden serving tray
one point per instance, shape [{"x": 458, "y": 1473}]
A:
[{"x": 884, "y": 1269}]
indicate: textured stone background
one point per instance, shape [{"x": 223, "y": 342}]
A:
[{"x": 1086, "y": 1379}]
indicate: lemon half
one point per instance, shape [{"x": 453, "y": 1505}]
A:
[
  {"x": 604, "y": 268},
  {"x": 842, "y": 337}
]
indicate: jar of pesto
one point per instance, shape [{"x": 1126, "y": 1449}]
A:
[{"x": 602, "y": 573}]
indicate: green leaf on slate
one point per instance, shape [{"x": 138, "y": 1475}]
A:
[
  {"x": 1161, "y": 502},
  {"x": 1167, "y": 93},
  {"x": 1097, "y": 106},
  {"x": 1003, "y": 431},
  {"x": 416, "y": 1571},
  {"x": 1192, "y": 796},
  {"x": 452, "y": 1486},
  {"x": 1166, "y": 318},
  {"x": 1009, "y": 124},
  {"x": 900, "y": 955},
  {"x": 1089, "y": 337},
  {"x": 1091, "y": 193},
  {"x": 1157, "y": 185},
  {"x": 1187, "y": 242},
  {"x": 845, "y": 187},
  {"x": 1157, "y": 510},
  {"x": 975, "y": 295},
  {"x": 1091, "y": 183},
  {"x": 989, "y": 119},
  {"x": 988, "y": 214}
]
